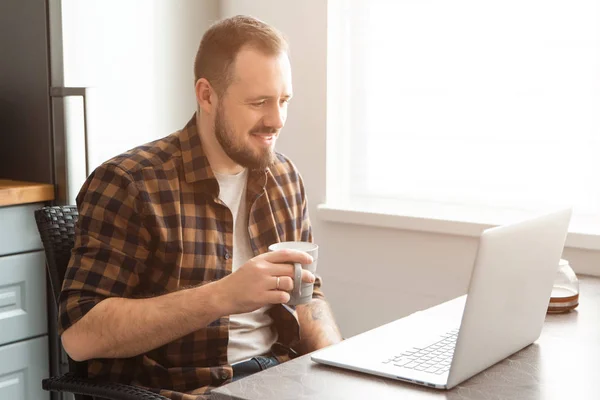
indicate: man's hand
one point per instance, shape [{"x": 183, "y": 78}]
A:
[{"x": 254, "y": 284}]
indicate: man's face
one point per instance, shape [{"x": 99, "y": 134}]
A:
[{"x": 253, "y": 109}]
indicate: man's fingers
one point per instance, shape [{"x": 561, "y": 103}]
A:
[
  {"x": 287, "y": 256},
  {"x": 288, "y": 270},
  {"x": 307, "y": 276},
  {"x": 285, "y": 283},
  {"x": 277, "y": 297}
]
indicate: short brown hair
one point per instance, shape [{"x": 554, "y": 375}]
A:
[{"x": 222, "y": 42}]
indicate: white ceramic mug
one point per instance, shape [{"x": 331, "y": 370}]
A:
[{"x": 303, "y": 291}]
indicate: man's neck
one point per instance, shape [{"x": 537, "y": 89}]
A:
[{"x": 219, "y": 161}]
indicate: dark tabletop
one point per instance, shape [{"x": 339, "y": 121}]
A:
[{"x": 564, "y": 363}]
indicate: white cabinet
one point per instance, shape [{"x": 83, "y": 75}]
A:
[
  {"x": 23, "y": 312},
  {"x": 23, "y": 365}
]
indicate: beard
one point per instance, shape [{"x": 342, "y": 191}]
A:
[{"x": 235, "y": 148}]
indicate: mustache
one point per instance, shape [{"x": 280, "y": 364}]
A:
[{"x": 263, "y": 130}]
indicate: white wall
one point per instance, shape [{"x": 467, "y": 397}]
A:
[
  {"x": 138, "y": 56},
  {"x": 371, "y": 275}
]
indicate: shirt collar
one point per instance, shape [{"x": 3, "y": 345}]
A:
[{"x": 195, "y": 163}]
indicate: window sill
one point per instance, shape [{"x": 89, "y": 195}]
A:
[{"x": 584, "y": 232}]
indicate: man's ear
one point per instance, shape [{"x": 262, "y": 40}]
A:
[{"x": 206, "y": 97}]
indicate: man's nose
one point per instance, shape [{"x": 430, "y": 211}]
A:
[{"x": 276, "y": 117}]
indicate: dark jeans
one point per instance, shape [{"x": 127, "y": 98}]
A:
[{"x": 249, "y": 367}]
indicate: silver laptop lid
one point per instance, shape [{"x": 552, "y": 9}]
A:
[{"x": 509, "y": 291}]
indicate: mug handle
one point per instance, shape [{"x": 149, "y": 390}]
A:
[{"x": 297, "y": 291}]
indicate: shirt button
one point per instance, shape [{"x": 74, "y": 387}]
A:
[{"x": 227, "y": 256}]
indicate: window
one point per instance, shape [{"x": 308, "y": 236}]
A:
[{"x": 465, "y": 104}]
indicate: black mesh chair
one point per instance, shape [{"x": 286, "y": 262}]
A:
[{"x": 56, "y": 225}]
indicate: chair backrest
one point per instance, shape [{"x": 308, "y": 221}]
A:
[{"x": 56, "y": 225}]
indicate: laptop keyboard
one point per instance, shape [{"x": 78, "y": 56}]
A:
[{"x": 435, "y": 358}]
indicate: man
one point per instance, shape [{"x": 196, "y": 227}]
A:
[{"x": 170, "y": 281}]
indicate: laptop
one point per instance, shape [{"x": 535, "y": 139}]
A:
[{"x": 502, "y": 312}]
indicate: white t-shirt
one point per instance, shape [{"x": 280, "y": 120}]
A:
[{"x": 250, "y": 334}]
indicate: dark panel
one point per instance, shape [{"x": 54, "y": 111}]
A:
[{"x": 25, "y": 124}]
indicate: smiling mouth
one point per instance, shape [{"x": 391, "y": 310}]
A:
[{"x": 265, "y": 136}]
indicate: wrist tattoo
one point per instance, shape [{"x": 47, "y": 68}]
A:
[{"x": 316, "y": 311}]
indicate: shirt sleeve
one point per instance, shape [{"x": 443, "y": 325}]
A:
[
  {"x": 111, "y": 244},
  {"x": 307, "y": 236}
]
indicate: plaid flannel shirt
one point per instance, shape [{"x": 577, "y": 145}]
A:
[{"x": 150, "y": 223}]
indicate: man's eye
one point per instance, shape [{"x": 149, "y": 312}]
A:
[{"x": 259, "y": 103}]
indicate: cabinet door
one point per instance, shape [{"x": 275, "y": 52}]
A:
[
  {"x": 23, "y": 311},
  {"x": 18, "y": 231},
  {"x": 23, "y": 365}
]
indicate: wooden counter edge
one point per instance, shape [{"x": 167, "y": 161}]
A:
[{"x": 19, "y": 192}]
